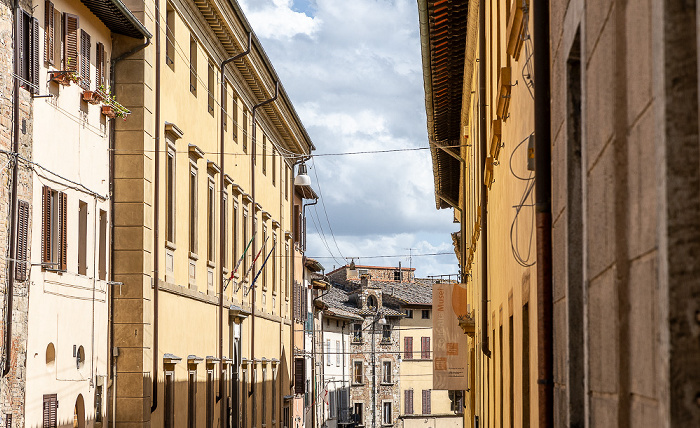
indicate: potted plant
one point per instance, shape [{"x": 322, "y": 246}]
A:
[
  {"x": 110, "y": 107},
  {"x": 92, "y": 97},
  {"x": 62, "y": 77}
]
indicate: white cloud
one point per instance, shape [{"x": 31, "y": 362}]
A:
[{"x": 277, "y": 20}]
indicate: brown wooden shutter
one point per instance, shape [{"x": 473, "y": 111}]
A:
[
  {"x": 70, "y": 41},
  {"x": 407, "y": 348},
  {"x": 84, "y": 60},
  {"x": 19, "y": 43},
  {"x": 22, "y": 238},
  {"x": 46, "y": 225},
  {"x": 299, "y": 375},
  {"x": 49, "y": 33},
  {"x": 34, "y": 56},
  {"x": 50, "y": 409},
  {"x": 408, "y": 401},
  {"x": 62, "y": 224},
  {"x": 100, "y": 65},
  {"x": 426, "y": 401}
]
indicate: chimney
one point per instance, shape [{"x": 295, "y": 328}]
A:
[{"x": 400, "y": 273}]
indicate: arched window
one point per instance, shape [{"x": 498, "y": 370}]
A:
[{"x": 372, "y": 303}]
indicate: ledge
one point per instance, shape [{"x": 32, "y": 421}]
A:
[
  {"x": 173, "y": 131},
  {"x": 195, "y": 152}
]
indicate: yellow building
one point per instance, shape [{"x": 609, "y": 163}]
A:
[
  {"x": 477, "y": 64},
  {"x": 200, "y": 180}
]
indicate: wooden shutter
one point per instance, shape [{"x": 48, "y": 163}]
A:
[
  {"x": 425, "y": 347},
  {"x": 22, "y": 238},
  {"x": 70, "y": 41},
  {"x": 84, "y": 59},
  {"x": 19, "y": 43},
  {"x": 34, "y": 56},
  {"x": 46, "y": 225},
  {"x": 299, "y": 376},
  {"x": 49, "y": 33},
  {"x": 408, "y": 401},
  {"x": 99, "y": 65},
  {"x": 50, "y": 409},
  {"x": 407, "y": 348},
  {"x": 62, "y": 225}
]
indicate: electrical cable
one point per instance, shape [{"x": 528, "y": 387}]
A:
[{"x": 323, "y": 204}]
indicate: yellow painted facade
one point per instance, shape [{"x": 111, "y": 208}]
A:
[{"x": 180, "y": 133}]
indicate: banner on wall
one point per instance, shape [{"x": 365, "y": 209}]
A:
[{"x": 450, "y": 348}]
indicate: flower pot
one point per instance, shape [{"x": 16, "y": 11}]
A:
[
  {"x": 92, "y": 97},
  {"x": 63, "y": 78},
  {"x": 109, "y": 111}
]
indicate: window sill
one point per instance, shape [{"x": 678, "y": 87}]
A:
[
  {"x": 170, "y": 245},
  {"x": 193, "y": 256},
  {"x": 211, "y": 264}
]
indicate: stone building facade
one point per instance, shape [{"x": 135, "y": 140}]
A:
[{"x": 16, "y": 127}]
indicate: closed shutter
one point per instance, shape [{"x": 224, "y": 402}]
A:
[
  {"x": 84, "y": 59},
  {"x": 50, "y": 409},
  {"x": 407, "y": 348},
  {"x": 70, "y": 41},
  {"x": 408, "y": 401},
  {"x": 46, "y": 225},
  {"x": 99, "y": 65},
  {"x": 62, "y": 225},
  {"x": 49, "y": 33},
  {"x": 299, "y": 376},
  {"x": 426, "y": 402},
  {"x": 34, "y": 56},
  {"x": 425, "y": 348},
  {"x": 22, "y": 237},
  {"x": 19, "y": 40}
]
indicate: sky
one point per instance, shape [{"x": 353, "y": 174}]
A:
[{"x": 353, "y": 72}]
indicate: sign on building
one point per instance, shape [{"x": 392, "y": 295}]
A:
[{"x": 450, "y": 368}]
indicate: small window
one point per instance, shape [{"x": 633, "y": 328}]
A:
[
  {"x": 357, "y": 413},
  {"x": 408, "y": 401},
  {"x": 54, "y": 229},
  {"x": 211, "y": 227},
  {"x": 84, "y": 60},
  {"x": 425, "y": 314},
  {"x": 82, "y": 237},
  {"x": 264, "y": 154},
  {"x": 409, "y": 313},
  {"x": 234, "y": 117},
  {"x": 245, "y": 130},
  {"x": 397, "y": 275},
  {"x": 28, "y": 45},
  {"x": 102, "y": 267},
  {"x": 50, "y": 410},
  {"x": 425, "y": 348},
  {"x": 426, "y": 402},
  {"x": 386, "y": 371},
  {"x": 357, "y": 332},
  {"x": 337, "y": 353},
  {"x": 170, "y": 36},
  {"x": 210, "y": 89},
  {"x": 386, "y": 333},
  {"x": 357, "y": 372},
  {"x": 372, "y": 303},
  {"x": 170, "y": 194},
  {"x": 456, "y": 401},
  {"x": 193, "y": 66},
  {"x": 408, "y": 348},
  {"x": 387, "y": 416},
  {"x": 193, "y": 209}
]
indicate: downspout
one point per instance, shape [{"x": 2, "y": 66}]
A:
[
  {"x": 112, "y": 135},
  {"x": 484, "y": 191},
  {"x": 156, "y": 212},
  {"x": 222, "y": 227},
  {"x": 7, "y": 353},
  {"x": 543, "y": 209},
  {"x": 252, "y": 196}
]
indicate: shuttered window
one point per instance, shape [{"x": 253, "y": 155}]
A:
[
  {"x": 100, "y": 66},
  {"x": 408, "y": 401},
  {"x": 210, "y": 398},
  {"x": 102, "y": 267},
  {"x": 27, "y": 44},
  {"x": 53, "y": 229},
  {"x": 84, "y": 60},
  {"x": 193, "y": 66},
  {"x": 192, "y": 399},
  {"x": 49, "y": 33},
  {"x": 169, "y": 399},
  {"x": 426, "y": 402},
  {"x": 425, "y": 348},
  {"x": 50, "y": 410},
  {"x": 70, "y": 42},
  {"x": 408, "y": 348},
  {"x": 22, "y": 238},
  {"x": 299, "y": 375}
]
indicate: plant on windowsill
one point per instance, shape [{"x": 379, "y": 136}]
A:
[
  {"x": 92, "y": 97},
  {"x": 110, "y": 107},
  {"x": 64, "y": 77}
]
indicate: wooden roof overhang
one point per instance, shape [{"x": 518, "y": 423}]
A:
[{"x": 443, "y": 30}]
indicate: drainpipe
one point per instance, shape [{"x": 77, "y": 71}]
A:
[
  {"x": 252, "y": 196},
  {"x": 112, "y": 135},
  {"x": 7, "y": 349},
  {"x": 484, "y": 191},
  {"x": 543, "y": 209},
  {"x": 156, "y": 212},
  {"x": 222, "y": 226}
]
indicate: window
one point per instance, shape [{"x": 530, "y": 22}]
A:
[
  {"x": 426, "y": 401},
  {"x": 525, "y": 364},
  {"x": 22, "y": 240},
  {"x": 386, "y": 371},
  {"x": 170, "y": 36},
  {"x": 70, "y": 42},
  {"x": 210, "y": 398},
  {"x": 244, "y": 398},
  {"x": 224, "y": 231},
  {"x": 338, "y": 353},
  {"x": 289, "y": 270},
  {"x": 234, "y": 117},
  {"x": 254, "y": 393},
  {"x": 357, "y": 413},
  {"x": 264, "y": 155},
  {"x": 169, "y": 399},
  {"x": 386, "y": 413},
  {"x": 386, "y": 333},
  {"x": 332, "y": 404},
  {"x": 245, "y": 130},
  {"x": 193, "y": 66},
  {"x": 372, "y": 303},
  {"x": 409, "y": 313},
  {"x": 170, "y": 194},
  {"x": 102, "y": 266},
  {"x": 245, "y": 240},
  {"x": 397, "y": 275},
  {"x": 53, "y": 231},
  {"x": 274, "y": 163},
  {"x": 274, "y": 263},
  {"x": 234, "y": 234},
  {"x": 211, "y": 227},
  {"x": 357, "y": 375},
  {"x": 265, "y": 251},
  {"x": 84, "y": 60},
  {"x": 297, "y": 223},
  {"x": 50, "y": 33},
  {"x": 264, "y": 395},
  {"x": 274, "y": 394},
  {"x": 457, "y": 401},
  {"x": 210, "y": 89},
  {"x": 408, "y": 348},
  {"x": 408, "y": 401},
  {"x": 50, "y": 410},
  {"x": 425, "y": 314},
  {"x": 224, "y": 105},
  {"x": 286, "y": 182},
  {"x": 192, "y": 398},
  {"x": 357, "y": 332},
  {"x": 193, "y": 209},
  {"x": 328, "y": 352},
  {"x": 28, "y": 46},
  {"x": 82, "y": 237},
  {"x": 299, "y": 375},
  {"x": 425, "y": 348},
  {"x": 100, "y": 73}
]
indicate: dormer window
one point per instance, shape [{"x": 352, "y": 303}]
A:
[{"x": 372, "y": 303}]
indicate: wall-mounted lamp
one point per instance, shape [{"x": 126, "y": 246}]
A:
[{"x": 302, "y": 178}]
